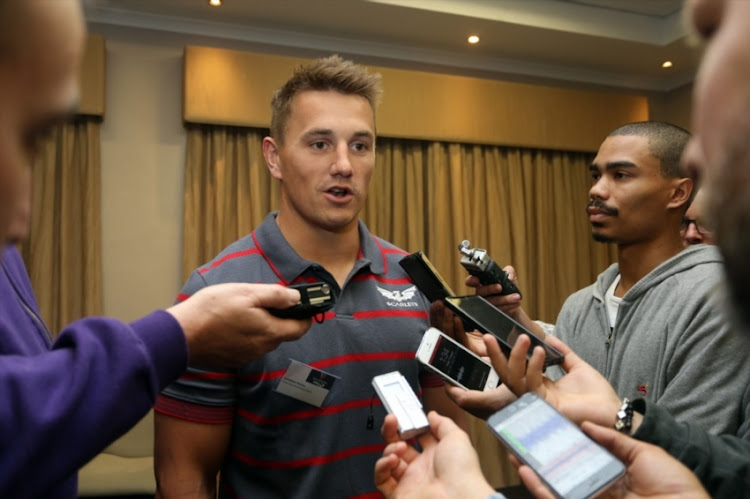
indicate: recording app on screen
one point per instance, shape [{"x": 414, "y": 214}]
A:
[
  {"x": 459, "y": 365},
  {"x": 563, "y": 456}
]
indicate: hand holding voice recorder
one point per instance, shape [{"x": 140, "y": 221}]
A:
[
  {"x": 479, "y": 263},
  {"x": 400, "y": 400},
  {"x": 455, "y": 363},
  {"x": 315, "y": 299}
]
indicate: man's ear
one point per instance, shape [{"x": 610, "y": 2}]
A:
[
  {"x": 271, "y": 153},
  {"x": 681, "y": 190}
]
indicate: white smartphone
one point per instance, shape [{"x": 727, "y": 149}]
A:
[
  {"x": 565, "y": 458},
  {"x": 400, "y": 400},
  {"x": 454, "y": 362}
]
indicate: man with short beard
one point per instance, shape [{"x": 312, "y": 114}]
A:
[{"x": 650, "y": 323}]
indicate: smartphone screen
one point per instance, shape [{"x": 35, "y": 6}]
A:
[
  {"x": 566, "y": 459},
  {"x": 489, "y": 319},
  {"x": 458, "y": 364}
]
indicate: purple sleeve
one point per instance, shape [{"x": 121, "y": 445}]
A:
[{"x": 60, "y": 408}]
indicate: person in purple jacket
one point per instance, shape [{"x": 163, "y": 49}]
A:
[{"x": 63, "y": 401}]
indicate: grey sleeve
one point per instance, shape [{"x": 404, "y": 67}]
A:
[
  {"x": 721, "y": 462},
  {"x": 708, "y": 372}
]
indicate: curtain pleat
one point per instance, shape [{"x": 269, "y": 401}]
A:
[
  {"x": 63, "y": 250},
  {"x": 228, "y": 190}
]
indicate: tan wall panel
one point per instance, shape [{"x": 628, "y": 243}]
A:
[
  {"x": 461, "y": 109},
  {"x": 234, "y": 88},
  {"x": 92, "y": 77},
  {"x": 673, "y": 107},
  {"x": 227, "y": 87}
]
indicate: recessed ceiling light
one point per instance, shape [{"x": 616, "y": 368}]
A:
[
  {"x": 473, "y": 39},
  {"x": 666, "y": 64},
  {"x": 214, "y": 3}
]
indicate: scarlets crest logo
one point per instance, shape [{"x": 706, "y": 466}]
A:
[{"x": 398, "y": 298}]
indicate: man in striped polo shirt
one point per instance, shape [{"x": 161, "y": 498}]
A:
[{"x": 303, "y": 421}]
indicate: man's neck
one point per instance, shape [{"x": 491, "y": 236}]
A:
[
  {"x": 336, "y": 251},
  {"x": 637, "y": 260}
]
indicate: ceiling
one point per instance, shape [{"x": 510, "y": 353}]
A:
[{"x": 609, "y": 43}]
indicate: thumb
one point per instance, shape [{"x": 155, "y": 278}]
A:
[
  {"x": 571, "y": 359},
  {"x": 440, "y": 425},
  {"x": 618, "y": 444},
  {"x": 267, "y": 295}
]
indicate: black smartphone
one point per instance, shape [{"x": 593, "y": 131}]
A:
[
  {"x": 477, "y": 312},
  {"x": 425, "y": 276},
  {"x": 569, "y": 462},
  {"x": 315, "y": 298}
]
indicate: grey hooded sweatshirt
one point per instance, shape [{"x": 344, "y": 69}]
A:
[{"x": 671, "y": 343}]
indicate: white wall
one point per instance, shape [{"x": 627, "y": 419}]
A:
[{"x": 142, "y": 151}]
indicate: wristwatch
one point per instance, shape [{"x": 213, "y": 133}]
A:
[{"x": 625, "y": 417}]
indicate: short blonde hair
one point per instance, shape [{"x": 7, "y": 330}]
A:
[{"x": 330, "y": 73}]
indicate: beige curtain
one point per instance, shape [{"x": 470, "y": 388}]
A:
[
  {"x": 228, "y": 190},
  {"x": 526, "y": 207},
  {"x": 63, "y": 250}
]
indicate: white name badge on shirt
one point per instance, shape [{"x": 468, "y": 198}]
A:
[{"x": 306, "y": 383}]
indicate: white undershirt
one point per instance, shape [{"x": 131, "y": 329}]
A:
[{"x": 612, "y": 302}]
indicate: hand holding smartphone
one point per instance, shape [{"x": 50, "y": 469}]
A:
[
  {"x": 458, "y": 365},
  {"x": 567, "y": 460},
  {"x": 482, "y": 315}
]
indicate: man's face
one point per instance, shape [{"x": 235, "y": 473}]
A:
[
  {"x": 326, "y": 160},
  {"x": 719, "y": 149},
  {"x": 42, "y": 45},
  {"x": 628, "y": 194},
  {"x": 696, "y": 228}
]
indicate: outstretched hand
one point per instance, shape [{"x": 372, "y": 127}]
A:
[
  {"x": 650, "y": 471},
  {"x": 582, "y": 394},
  {"x": 448, "y": 465},
  {"x": 228, "y": 325}
]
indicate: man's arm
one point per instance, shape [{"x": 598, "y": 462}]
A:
[
  {"x": 62, "y": 407},
  {"x": 188, "y": 456},
  {"x": 722, "y": 463},
  {"x": 708, "y": 370},
  {"x": 69, "y": 401}
]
